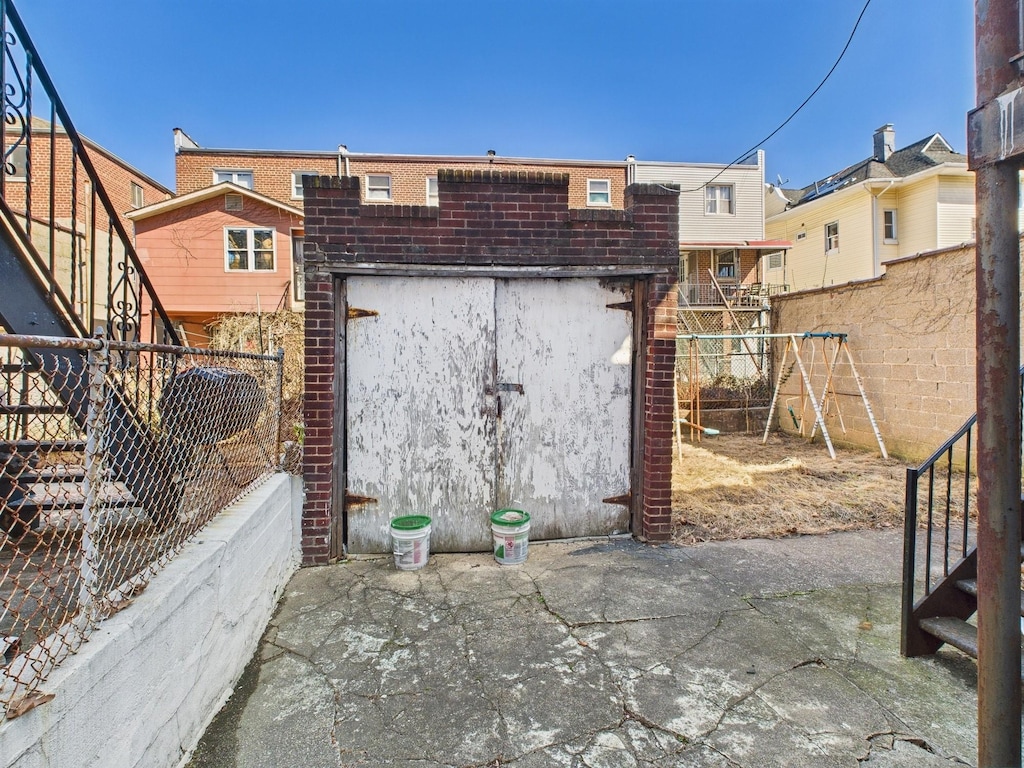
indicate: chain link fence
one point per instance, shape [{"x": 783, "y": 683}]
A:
[
  {"x": 723, "y": 369},
  {"x": 112, "y": 456}
]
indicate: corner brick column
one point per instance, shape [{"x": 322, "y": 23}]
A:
[
  {"x": 655, "y": 210},
  {"x": 659, "y": 372}
]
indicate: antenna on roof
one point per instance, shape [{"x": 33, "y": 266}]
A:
[{"x": 778, "y": 180}]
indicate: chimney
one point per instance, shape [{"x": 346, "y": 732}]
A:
[{"x": 885, "y": 142}]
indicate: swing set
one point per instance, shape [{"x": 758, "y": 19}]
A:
[{"x": 804, "y": 352}]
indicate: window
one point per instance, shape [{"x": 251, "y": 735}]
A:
[
  {"x": 297, "y": 177},
  {"x": 298, "y": 273},
  {"x": 249, "y": 249},
  {"x": 241, "y": 178},
  {"x": 599, "y": 192},
  {"x": 16, "y": 163},
  {"x": 725, "y": 265},
  {"x": 718, "y": 199},
  {"x": 775, "y": 260},
  {"x": 889, "y": 226},
  {"x": 432, "y": 198},
  {"x": 378, "y": 187},
  {"x": 138, "y": 196},
  {"x": 832, "y": 237}
]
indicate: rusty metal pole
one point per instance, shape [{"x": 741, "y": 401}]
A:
[{"x": 995, "y": 161}]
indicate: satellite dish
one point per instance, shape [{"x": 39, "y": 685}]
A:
[{"x": 778, "y": 180}]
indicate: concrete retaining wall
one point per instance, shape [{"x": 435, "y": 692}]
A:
[
  {"x": 142, "y": 689},
  {"x": 911, "y": 332}
]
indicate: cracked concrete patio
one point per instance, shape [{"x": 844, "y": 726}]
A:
[{"x": 603, "y": 653}]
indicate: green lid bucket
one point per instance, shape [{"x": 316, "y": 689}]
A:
[
  {"x": 510, "y": 529},
  {"x": 410, "y": 523},
  {"x": 510, "y": 518}
]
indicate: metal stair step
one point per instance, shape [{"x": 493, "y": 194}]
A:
[
  {"x": 51, "y": 505},
  {"x": 41, "y": 446},
  {"x": 970, "y": 586},
  {"x": 59, "y": 474},
  {"x": 956, "y": 632}
]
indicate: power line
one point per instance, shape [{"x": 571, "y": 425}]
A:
[{"x": 796, "y": 111}]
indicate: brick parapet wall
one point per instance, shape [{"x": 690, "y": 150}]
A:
[
  {"x": 491, "y": 218},
  {"x": 912, "y": 335},
  {"x": 488, "y": 218}
]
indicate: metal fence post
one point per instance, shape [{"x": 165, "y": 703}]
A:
[
  {"x": 996, "y": 152},
  {"x": 99, "y": 362},
  {"x": 280, "y": 406}
]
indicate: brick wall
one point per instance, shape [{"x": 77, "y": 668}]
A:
[
  {"x": 272, "y": 172},
  {"x": 911, "y": 333},
  {"x": 488, "y": 218},
  {"x": 116, "y": 176}
]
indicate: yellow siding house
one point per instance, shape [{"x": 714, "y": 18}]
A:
[{"x": 896, "y": 203}]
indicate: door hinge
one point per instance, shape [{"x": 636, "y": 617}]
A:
[
  {"x": 625, "y": 499},
  {"x": 355, "y": 313},
  {"x": 354, "y": 500},
  {"x": 626, "y": 306}
]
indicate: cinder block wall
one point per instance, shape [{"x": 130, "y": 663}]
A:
[
  {"x": 911, "y": 333},
  {"x": 141, "y": 691},
  {"x": 486, "y": 218}
]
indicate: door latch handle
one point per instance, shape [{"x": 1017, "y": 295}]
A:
[{"x": 508, "y": 386}]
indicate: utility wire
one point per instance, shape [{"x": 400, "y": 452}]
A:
[{"x": 795, "y": 112}]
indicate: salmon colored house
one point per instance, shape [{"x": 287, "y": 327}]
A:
[{"x": 219, "y": 250}]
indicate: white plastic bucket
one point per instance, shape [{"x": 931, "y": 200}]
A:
[
  {"x": 410, "y": 541},
  {"x": 511, "y": 529}
]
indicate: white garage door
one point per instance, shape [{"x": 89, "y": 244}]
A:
[{"x": 464, "y": 395}]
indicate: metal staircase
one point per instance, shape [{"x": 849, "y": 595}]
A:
[
  {"x": 67, "y": 269},
  {"x": 940, "y": 558}
]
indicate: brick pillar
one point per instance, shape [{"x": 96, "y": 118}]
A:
[
  {"x": 659, "y": 364},
  {"x": 318, "y": 417}
]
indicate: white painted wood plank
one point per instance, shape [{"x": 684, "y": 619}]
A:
[
  {"x": 420, "y": 433},
  {"x": 565, "y": 441}
]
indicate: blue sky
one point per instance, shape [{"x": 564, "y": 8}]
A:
[{"x": 680, "y": 80}]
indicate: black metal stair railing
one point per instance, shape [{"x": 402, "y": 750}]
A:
[
  {"x": 939, "y": 506},
  {"x": 68, "y": 267},
  {"x": 73, "y": 237}
]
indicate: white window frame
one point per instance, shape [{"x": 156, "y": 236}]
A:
[
  {"x": 138, "y": 194},
  {"x": 298, "y": 269},
  {"x": 832, "y": 238},
  {"x": 735, "y": 264},
  {"x": 18, "y": 159},
  {"x": 251, "y": 250},
  {"x": 714, "y": 199},
  {"x": 890, "y": 226},
  {"x": 597, "y": 197},
  {"x": 233, "y": 175},
  {"x": 297, "y": 182},
  {"x": 376, "y": 190},
  {"x": 432, "y": 197}
]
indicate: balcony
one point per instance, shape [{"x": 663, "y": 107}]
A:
[{"x": 736, "y": 294}]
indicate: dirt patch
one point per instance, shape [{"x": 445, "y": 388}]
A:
[{"x": 733, "y": 487}]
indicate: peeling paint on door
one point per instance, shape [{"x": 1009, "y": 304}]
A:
[
  {"x": 420, "y": 426},
  {"x": 468, "y": 394},
  {"x": 564, "y": 442}
]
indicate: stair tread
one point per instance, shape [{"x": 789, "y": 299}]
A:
[
  {"x": 970, "y": 586},
  {"x": 956, "y": 632}
]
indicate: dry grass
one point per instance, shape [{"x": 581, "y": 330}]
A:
[{"x": 732, "y": 487}]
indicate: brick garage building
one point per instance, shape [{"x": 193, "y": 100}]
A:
[{"x": 501, "y": 252}]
